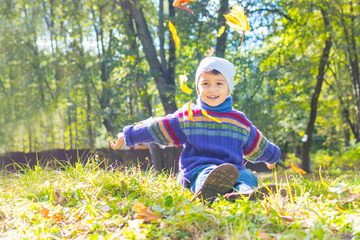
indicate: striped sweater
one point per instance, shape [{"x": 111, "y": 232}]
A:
[{"x": 205, "y": 139}]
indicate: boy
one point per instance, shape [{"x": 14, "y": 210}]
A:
[{"x": 216, "y": 138}]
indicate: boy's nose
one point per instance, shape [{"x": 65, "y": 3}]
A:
[{"x": 212, "y": 88}]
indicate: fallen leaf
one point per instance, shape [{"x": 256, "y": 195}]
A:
[
  {"x": 262, "y": 235},
  {"x": 352, "y": 198},
  {"x": 287, "y": 218},
  {"x": 212, "y": 118},
  {"x": 221, "y": 31},
  {"x": 55, "y": 214},
  {"x": 297, "y": 169},
  {"x": 144, "y": 213},
  {"x": 174, "y": 34},
  {"x": 59, "y": 198},
  {"x": 182, "y": 79}
]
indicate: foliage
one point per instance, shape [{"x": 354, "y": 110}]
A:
[
  {"x": 73, "y": 74},
  {"x": 338, "y": 162},
  {"x": 91, "y": 203}
]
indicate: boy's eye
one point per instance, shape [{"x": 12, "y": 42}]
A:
[{"x": 220, "y": 83}]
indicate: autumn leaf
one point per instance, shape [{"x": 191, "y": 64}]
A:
[
  {"x": 182, "y": 79},
  {"x": 221, "y": 31},
  {"x": 190, "y": 112},
  {"x": 210, "y": 52},
  {"x": 174, "y": 34},
  {"x": 59, "y": 198},
  {"x": 212, "y": 118},
  {"x": 144, "y": 213},
  {"x": 180, "y": 3},
  {"x": 297, "y": 169},
  {"x": 51, "y": 214},
  {"x": 237, "y": 20}
]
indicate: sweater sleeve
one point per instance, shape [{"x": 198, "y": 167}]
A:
[
  {"x": 163, "y": 130},
  {"x": 258, "y": 149}
]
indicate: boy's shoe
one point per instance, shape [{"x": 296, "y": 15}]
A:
[
  {"x": 259, "y": 193},
  {"x": 219, "y": 181}
]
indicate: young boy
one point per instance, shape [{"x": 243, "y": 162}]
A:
[{"x": 216, "y": 138}]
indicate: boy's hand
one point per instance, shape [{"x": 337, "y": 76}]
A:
[
  {"x": 270, "y": 165},
  {"x": 119, "y": 142}
]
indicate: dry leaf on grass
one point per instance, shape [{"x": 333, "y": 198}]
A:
[
  {"x": 144, "y": 213},
  {"x": 59, "y": 198},
  {"x": 349, "y": 199},
  {"x": 53, "y": 214}
]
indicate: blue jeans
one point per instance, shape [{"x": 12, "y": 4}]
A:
[{"x": 198, "y": 177}]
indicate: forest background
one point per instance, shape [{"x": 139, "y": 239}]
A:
[{"x": 73, "y": 73}]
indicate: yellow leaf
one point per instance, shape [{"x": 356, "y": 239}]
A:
[
  {"x": 221, "y": 31},
  {"x": 182, "y": 79},
  {"x": 174, "y": 34},
  {"x": 144, "y": 213},
  {"x": 212, "y": 118},
  {"x": 190, "y": 112},
  {"x": 298, "y": 170},
  {"x": 237, "y": 19}
]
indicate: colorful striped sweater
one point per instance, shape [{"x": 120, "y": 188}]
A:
[{"x": 205, "y": 140}]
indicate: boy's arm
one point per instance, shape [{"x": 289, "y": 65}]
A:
[
  {"x": 259, "y": 149},
  {"x": 164, "y": 131}
]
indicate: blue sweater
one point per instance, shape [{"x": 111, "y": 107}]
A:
[{"x": 205, "y": 139}]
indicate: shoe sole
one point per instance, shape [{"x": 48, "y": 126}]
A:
[
  {"x": 259, "y": 193},
  {"x": 219, "y": 181}
]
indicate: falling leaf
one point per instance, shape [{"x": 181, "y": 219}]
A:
[
  {"x": 144, "y": 213},
  {"x": 221, "y": 31},
  {"x": 180, "y": 3},
  {"x": 237, "y": 20},
  {"x": 210, "y": 52},
  {"x": 297, "y": 169},
  {"x": 182, "y": 79},
  {"x": 212, "y": 118},
  {"x": 174, "y": 34},
  {"x": 190, "y": 112}
]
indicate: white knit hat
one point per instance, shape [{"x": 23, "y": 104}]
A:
[{"x": 226, "y": 68}]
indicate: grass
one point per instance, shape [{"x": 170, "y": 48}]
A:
[{"x": 86, "y": 202}]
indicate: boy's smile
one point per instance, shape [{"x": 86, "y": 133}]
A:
[{"x": 213, "y": 88}]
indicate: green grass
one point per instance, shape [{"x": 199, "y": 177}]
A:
[{"x": 86, "y": 202}]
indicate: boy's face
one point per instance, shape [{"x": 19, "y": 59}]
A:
[{"x": 213, "y": 88}]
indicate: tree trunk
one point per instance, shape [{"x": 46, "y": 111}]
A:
[
  {"x": 165, "y": 86},
  {"x": 62, "y": 129},
  {"x": 221, "y": 41},
  {"x": 154, "y": 149},
  {"x": 164, "y": 78},
  {"x": 315, "y": 97},
  {"x": 88, "y": 116}
]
